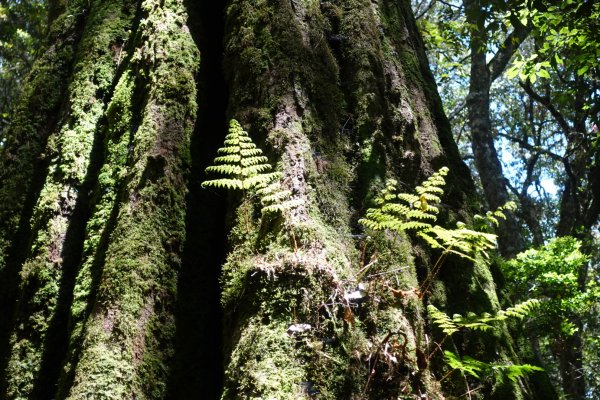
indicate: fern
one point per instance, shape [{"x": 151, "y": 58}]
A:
[
  {"x": 241, "y": 162},
  {"x": 460, "y": 241},
  {"x": 416, "y": 212},
  {"x": 491, "y": 218},
  {"x": 479, "y": 322},
  {"x": 245, "y": 167},
  {"x": 442, "y": 320},
  {"x": 406, "y": 211},
  {"x": 468, "y": 365},
  {"x": 473, "y": 367},
  {"x": 275, "y": 199}
]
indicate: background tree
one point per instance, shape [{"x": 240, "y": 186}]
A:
[{"x": 21, "y": 33}]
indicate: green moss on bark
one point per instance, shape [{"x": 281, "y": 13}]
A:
[
  {"x": 128, "y": 337},
  {"x": 385, "y": 121}
]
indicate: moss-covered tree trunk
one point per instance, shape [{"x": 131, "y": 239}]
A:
[{"x": 109, "y": 272}]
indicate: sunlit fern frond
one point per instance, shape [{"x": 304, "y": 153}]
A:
[
  {"x": 240, "y": 162},
  {"x": 406, "y": 211},
  {"x": 274, "y": 199}
]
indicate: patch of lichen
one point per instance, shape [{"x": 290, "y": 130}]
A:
[{"x": 136, "y": 291}]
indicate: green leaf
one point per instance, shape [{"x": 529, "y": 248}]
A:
[{"x": 582, "y": 70}]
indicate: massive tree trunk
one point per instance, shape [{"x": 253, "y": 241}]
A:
[{"x": 110, "y": 272}]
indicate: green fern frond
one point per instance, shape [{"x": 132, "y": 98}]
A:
[
  {"x": 464, "y": 242},
  {"x": 261, "y": 179},
  {"x": 241, "y": 162},
  {"x": 226, "y": 169},
  {"x": 481, "y": 322},
  {"x": 492, "y": 218},
  {"x": 229, "y": 150},
  {"x": 470, "y": 366},
  {"x": 411, "y": 199},
  {"x": 275, "y": 199},
  {"x": 466, "y": 365},
  {"x": 442, "y": 320},
  {"x": 226, "y": 183},
  {"x": 256, "y": 153},
  {"x": 228, "y": 159},
  {"x": 281, "y": 207},
  {"x": 521, "y": 310},
  {"x": 513, "y": 372},
  {"x": 254, "y": 170},
  {"x": 406, "y": 211}
]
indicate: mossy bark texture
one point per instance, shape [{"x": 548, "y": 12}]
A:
[
  {"x": 96, "y": 281},
  {"x": 93, "y": 207},
  {"x": 341, "y": 95}
]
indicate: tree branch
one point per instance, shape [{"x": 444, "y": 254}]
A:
[
  {"x": 536, "y": 149},
  {"x": 545, "y": 102},
  {"x": 427, "y": 8},
  {"x": 512, "y": 42}
]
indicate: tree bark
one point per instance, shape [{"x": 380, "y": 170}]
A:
[{"x": 101, "y": 297}]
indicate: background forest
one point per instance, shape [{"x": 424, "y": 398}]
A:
[{"x": 520, "y": 85}]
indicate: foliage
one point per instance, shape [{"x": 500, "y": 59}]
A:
[
  {"x": 570, "y": 40},
  {"x": 245, "y": 167},
  {"x": 241, "y": 162},
  {"x": 473, "y": 367},
  {"x": 491, "y": 219},
  {"x": 21, "y": 32},
  {"x": 569, "y": 301},
  {"x": 416, "y": 212},
  {"x": 551, "y": 273},
  {"x": 468, "y": 365},
  {"x": 479, "y": 322}
]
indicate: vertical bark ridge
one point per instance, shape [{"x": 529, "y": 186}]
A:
[
  {"x": 116, "y": 137},
  {"x": 25, "y": 162},
  {"x": 127, "y": 346}
]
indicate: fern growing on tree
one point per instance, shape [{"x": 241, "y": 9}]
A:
[
  {"x": 242, "y": 163},
  {"x": 244, "y": 167},
  {"x": 468, "y": 365},
  {"x": 417, "y": 212}
]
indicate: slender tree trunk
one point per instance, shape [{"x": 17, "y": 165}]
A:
[
  {"x": 340, "y": 96},
  {"x": 486, "y": 157}
]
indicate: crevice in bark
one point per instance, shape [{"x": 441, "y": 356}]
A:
[
  {"x": 57, "y": 336},
  {"x": 9, "y": 276},
  {"x": 198, "y": 356}
]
